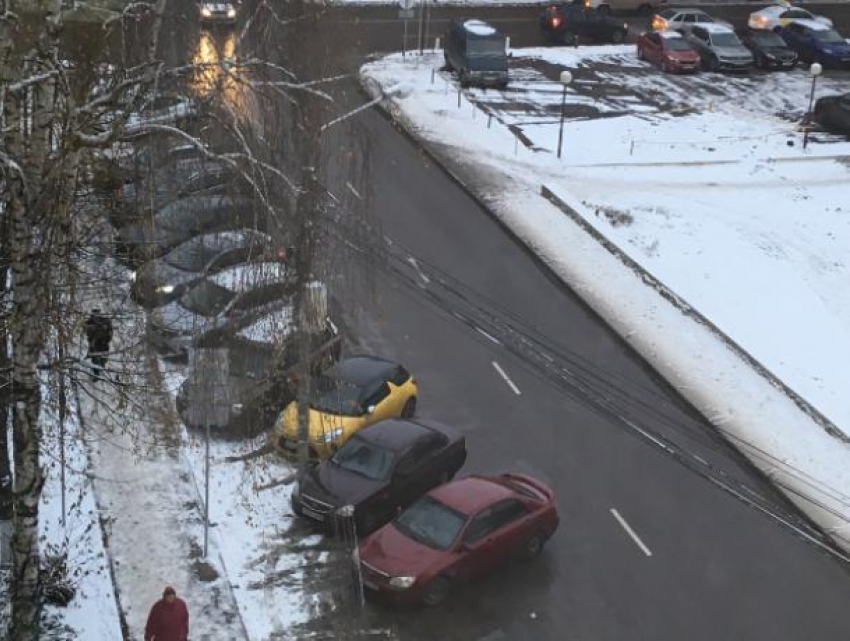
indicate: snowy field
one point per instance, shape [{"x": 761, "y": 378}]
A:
[{"x": 702, "y": 180}]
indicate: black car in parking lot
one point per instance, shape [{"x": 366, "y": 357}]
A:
[
  {"x": 833, "y": 113},
  {"x": 477, "y": 52},
  {"x": 768, "y": 49},
  {"x": 160, "y": 281},
  {"x": 181, "y": 220},
  {"x": 566, "y": 23},
  {"x": 380, "y": 470}
]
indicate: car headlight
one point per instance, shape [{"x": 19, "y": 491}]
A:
[
  {"x": 330, "y": 436},
  {"x": 206, "y": 12},
  {"x": 165, "y": 289},
  {"x": 133, "y": 277},
  {"x": 231, "y": 13},
  {"x": 402, "y": 582}
]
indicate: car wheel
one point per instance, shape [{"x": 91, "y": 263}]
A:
[
  {"x": 436, "y": 591},
  {"x": 617, "y": 37},
  {"x": 713, "y": 64},
  {"x": 409, "y": 409},
  {"x": 462, "y": 78},
  {"x": 533, "y": 547},
  {"x": 640, "y": 54},
  {"x": 448, "y": 65},
  {"x": 569, "y": 39},
  {"x": 665, "y": 67}
]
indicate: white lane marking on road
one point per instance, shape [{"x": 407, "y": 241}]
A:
[
  {"x": 353, "y": 190},
  {"x": 631, "y": 532},
  {"x": 507, "y": 378},
  {"x": 488, "y": 336},
  {"x": 413, "y": 262}
]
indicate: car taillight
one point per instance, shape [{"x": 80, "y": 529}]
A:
[{"x": 555, "y": 21}]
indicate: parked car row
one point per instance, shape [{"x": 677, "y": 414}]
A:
[{"x": 211, "y": 276}]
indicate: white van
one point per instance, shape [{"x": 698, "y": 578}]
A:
[{"x": 641, "y": 6}]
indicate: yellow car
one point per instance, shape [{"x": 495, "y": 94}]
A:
[{"x": 354, "y": 393}]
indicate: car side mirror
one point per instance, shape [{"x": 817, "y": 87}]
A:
[{"x": 370, "y": 409}]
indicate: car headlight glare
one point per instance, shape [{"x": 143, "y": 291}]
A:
[
  {"x": 206, "y": 12},
  {"x": 329, "y": 436},
  {"x": 402, "y": 582},
  {"x": 231, "y": 13},
  {"x": 133, "y": 277},
  {"x": 165, "y": 289}
]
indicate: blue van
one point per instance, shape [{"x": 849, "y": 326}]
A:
[{"x": 477, "y": 52}]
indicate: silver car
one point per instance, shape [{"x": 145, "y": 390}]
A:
[{"x": 719, "y": 48}]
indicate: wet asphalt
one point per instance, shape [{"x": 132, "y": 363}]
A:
[{"x": 694, "y": 562}]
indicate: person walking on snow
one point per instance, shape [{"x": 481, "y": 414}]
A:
[
  {"x": 168, "y": 619},
  {"x": 99, "y": 335}
]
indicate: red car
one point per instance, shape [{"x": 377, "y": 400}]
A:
[
  {"x": 458, "y": 531},
  {"x": 669, "y": 50}
]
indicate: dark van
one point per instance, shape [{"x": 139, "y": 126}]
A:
[{"x": 477, "y": 52}]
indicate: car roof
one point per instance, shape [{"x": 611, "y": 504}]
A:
[
  {"x": 691, "y": 11},
  {"x": 814, "y": 25},
  {"x": 471, "y": 494},
  {"x": 479, "y": 28},
  {"x": 362, "y": 370},
  {"x": 394, "y": 434}
]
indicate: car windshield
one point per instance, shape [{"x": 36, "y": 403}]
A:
[
  {"x": 364, "y": 458},
  {"x": 207, "y": 298},
  {"x": 725, "y": 40},
  {"x": 797, "y": 14},
  {"x": 192, "y": 256},
  {"x": 703, "y": 17},
  {"x": 768, "y": 39},
  {"x": 336, "y": 396},
  {"x": 677, "y": 44},
  {"x": 485, "y": 46},
  {"x": 431, "y": 523},
  {"x": 826, "y": 35}
]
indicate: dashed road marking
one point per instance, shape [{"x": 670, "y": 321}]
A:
[
  {"x": 631, "y": 532},
  {"x": 507, "y": 378},
  {"x": 419, "y": 271},
  {"x": 353, "y": 190}
]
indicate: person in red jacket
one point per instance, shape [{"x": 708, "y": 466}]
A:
[{"x": 168, "y": 619}]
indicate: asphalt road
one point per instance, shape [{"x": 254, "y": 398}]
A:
[{"x": 694, "y": 562}]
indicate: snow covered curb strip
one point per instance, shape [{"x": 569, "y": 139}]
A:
[{"x": 763, "y": 422}]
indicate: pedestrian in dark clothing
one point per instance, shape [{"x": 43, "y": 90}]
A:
[
  {"x": 99, "y": 335},
  {"x": 168, "y": 619}
]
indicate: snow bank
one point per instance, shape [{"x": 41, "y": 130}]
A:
[{"x": 715, "y": 198}]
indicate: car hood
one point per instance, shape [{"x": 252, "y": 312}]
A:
[
  {"x": 318, "y": 422},
  {"x": 340, "y": 486},
  {"x": 779, "y": 52},
  {"x": 732, "y": 52},
  {"x": 679, "y": 54},
  {"x": 392, "y": 552}
]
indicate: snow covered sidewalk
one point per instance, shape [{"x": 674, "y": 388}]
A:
[
  {"x": 701, "y": 182},
  {"x": 147, "y": 496}
]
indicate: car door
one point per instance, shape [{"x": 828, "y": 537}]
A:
[
  {"x": 493, "y": 535},
  {"x": 653, "y": 50}
]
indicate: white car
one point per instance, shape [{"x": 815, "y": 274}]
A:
[
  {"x": 776, "y": 17},
  {"x": 682, "y": 19}
]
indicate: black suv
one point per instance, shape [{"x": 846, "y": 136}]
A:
[{"x": 565, "y": 23}]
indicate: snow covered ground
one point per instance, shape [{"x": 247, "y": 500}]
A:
[{"x": 701, "y": 180}]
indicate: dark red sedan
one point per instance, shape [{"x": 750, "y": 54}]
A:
[
  {"x": 458, "y": 531},
  {"x": 669, "y": 50}
]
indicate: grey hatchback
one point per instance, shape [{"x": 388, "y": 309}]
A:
[{"x": 719, "y": 48}]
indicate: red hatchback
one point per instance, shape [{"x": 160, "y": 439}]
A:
[
  {"x": 669, "y": 50},
  {"x": 458, "y": 531}
]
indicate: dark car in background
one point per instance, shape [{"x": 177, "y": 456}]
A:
[
  {"x": 816, "y": 42},
  {"x": 477, "y": 52},
  {"x": 160, "y": 281},
  {"x": 262, "y": 372},
  {"x": 719, "y": 48},
  {"x": 768, "y": 49},
  {"x": 565, "y": 23},
  {"x": 380, "y": 470},
  {"x": 239, "y": 294},
  {"x": 833, "y": 113},
  {"x": 458, "y": 531},
  {"x": 669, "y": 50},
  {"x": 181, "y": 220}
]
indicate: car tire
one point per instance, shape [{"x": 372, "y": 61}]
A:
[
  {"x": 665, "y": 67},
  {"x": 462, "y": 78},
  {"x": 533, "y": 547},
  {"x": 640, "y": 54},
  {"x": 448, "y": 65},
  {"x": 713, "y": 64},
  {"x": 409, "y": 409},
  {"x": 436, "y": 591},
  {"x": 617, "y": 37},
  {"x": 569, "y": 39}
]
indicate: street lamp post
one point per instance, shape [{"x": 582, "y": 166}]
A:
[
  {"x": 566, "y": 78},
  {"x": 815, "y": 70}
]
